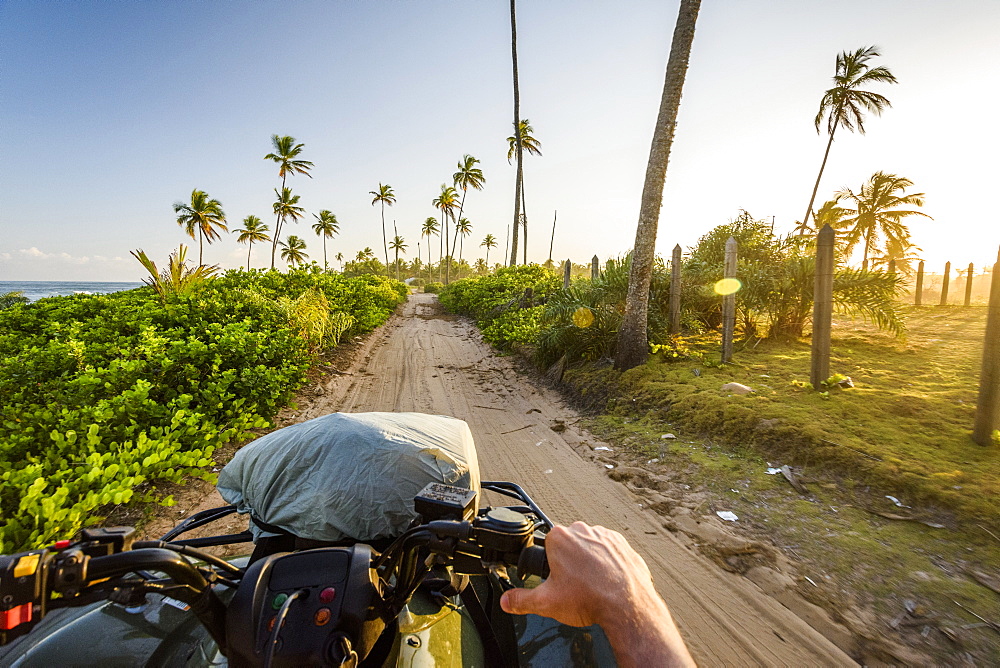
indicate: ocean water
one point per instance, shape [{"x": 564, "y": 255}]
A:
[{"x": 35, "y": 290}]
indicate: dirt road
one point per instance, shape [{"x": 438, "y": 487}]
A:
[{"x": 430, "y": 362}]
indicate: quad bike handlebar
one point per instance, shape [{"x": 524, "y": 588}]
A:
[{"x": 324, "y": 606}]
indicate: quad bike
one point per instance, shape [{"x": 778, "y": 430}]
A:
[{"x": 426, "y": 597}]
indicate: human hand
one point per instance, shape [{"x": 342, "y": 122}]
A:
[{"x": 595, "y": 577}]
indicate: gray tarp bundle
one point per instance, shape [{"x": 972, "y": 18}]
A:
[{"x": 348, "y": 474}]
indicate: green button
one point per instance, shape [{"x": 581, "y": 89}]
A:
[{"x": 279, "y": 600}]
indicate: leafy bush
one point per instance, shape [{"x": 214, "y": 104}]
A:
[
  {"x": 433, "y": 287},
  {"x": 104, "y": 393},
  {"x": 582, "y": 322},
  {"x": 8, "y": 299},
  {"x": 500, "y": 303}
]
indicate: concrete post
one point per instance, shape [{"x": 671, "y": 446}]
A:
[
  {"x": 944, "y": 283},
  {"x": 988, "y": 403},
  {"x": 569, "y": 266},
  {"x": 595, "y": 269},
  {"x": 822, "y": 308},
  {"x": 918, "y": 291},
  {"x": 892, "y": 266},
  {"x": 675, "y": 291},
  {"x": 729, "y": 303},
  {"x": 968, "y": 284}
]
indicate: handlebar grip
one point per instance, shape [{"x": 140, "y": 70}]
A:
[{"x": 533, "y": 562}]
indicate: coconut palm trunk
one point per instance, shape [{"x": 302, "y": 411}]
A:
[
  {"x": 277, "y": 227},
  {"x": 517, "y": 133},
  {"x": 524, "y": 221},
  {"x": 633, "y": 342},
  {"x": 812, "y": 199},
  {"x": 385, "y": 244},
  {"x": 248, "y": 255}
]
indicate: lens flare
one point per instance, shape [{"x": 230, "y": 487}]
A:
[
  {"x": 583, "y": 317},
  {"x": 728, "y": 286}
]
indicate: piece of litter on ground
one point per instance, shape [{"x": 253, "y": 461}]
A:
[
  {"x": 896, "y": 501},
  {"x": 727, "y": 515},
  {"x": 668, "y": 436},
  {"x": 547, "y": 471},
  {"x": 652, "y": 461},
  {"x": 809, "y": 580},
  {"x": 734, "y": 491},
  {"x": 602, "y": 448},
  {"x": 771, "y": 470},
  {"x": 609, "y": 466}
]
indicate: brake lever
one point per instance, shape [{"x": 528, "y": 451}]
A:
[{"x": 499, "y": 571}]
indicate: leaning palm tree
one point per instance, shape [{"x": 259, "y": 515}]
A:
[
  {"x": 383, "y": 196},
  {"x": 286, "y": 206},
  {"x": 843, "y": 104},
  {"x": 446, "y": 202},
  {"x": 633, "y": 340},
  {"x": 876, "y": 214},
  {"x": 463, "y": 228},
  {"x": 254, "y": 231},
  {"x": 490, "y": 242},
  {"x": 529, "y": 144},
  {"x": 517, "y": 124},
  {"x": 467, "y": 176},
  {"x": 326, "y": 226},
  {"x": 286, "y": 155},
  {"x": 293, "y": 250},
  {"x": 428, "y": 229},
  {"x": 202, "y": 216},
  {"x": 399, "y": 245}
]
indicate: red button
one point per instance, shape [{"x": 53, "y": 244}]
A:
[
  {"x": 327, "y": 595},
  {"x": 322, "y": 616},
  {"x": 61, "y": 544},
  {"x": 14, "y": 617}
]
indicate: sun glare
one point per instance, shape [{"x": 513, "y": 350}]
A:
[{"x": 728, "y": 286}]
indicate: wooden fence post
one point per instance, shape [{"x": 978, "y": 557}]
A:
[
  {"x": 918, "y": 291},
  {"x": 968, "y": 285},
  {"x": 944, "y": 283},
  {"x": 988, "y": 403},
  {"x": 822, "y": 308},
  {"x": 729, "y": 303},
  {"x": 569, "y": 266},
  {"x": 595, "y": 269},
  {"x": 892, "y": 266},
  {"x": 675, "y": 291}
]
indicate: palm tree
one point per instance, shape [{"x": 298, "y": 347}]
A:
[
  {"x": 447, "y": 201},
  {"x": 633, "y": 341},
  {"x": 429, "y": 228},
  {"x": 490, "y": 242},
  {"x": 326, "y": 226},
  {"x": 398, "y": 244},
  {"x": 286, "y": 154},
  {"x": 254, "y": 230},
  {"x": 517, "y": 124},
  {"x": 384, "y": 195},
  {"x": 876, "y": 214},
  {"x": 843, "y": 104},
  {"x": 285, "y": 207},
  {"x": 463, "y": 228},
  {"x": 481, "y": 267},
  {"x": 293, "y": 250},
  {"x": 339, "y": 257},
  {"x": 467, "y": 176},
  {"x": 203, "y": 215},
  {"x": 532, "y": 146}
]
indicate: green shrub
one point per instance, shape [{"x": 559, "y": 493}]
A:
[
  {"x": 102, "y": 394},
  {"x": 433, "y": 287}
]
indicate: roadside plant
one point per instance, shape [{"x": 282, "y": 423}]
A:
[
  {"x": 177, "y": 278},
  {"x": 8, "y": 299},
  {"x": 383, "y": 196}
]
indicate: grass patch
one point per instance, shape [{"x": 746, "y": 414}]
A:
[{"x": 904, "y": 427}]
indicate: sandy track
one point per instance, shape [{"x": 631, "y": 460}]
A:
[{"x": 434, "y": 363}]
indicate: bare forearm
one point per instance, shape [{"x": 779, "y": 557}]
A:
[{"x": 646, "y": 636}]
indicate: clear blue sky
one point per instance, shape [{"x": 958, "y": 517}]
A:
[{"x": 112, "y": 111}]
